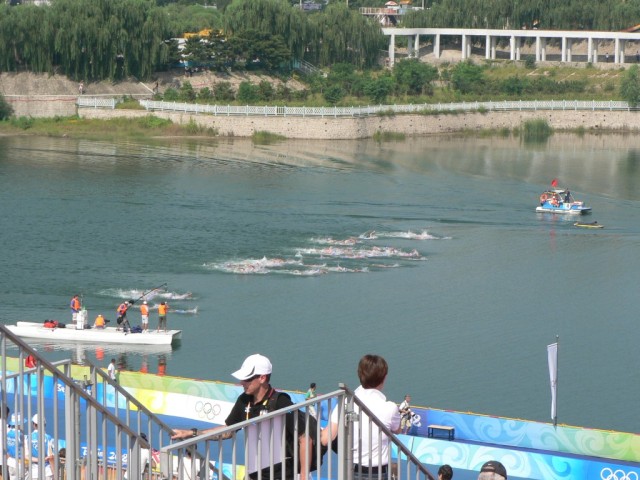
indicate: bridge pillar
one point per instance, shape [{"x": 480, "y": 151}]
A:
[
  {"x": 518, "y": 47},
  {"x": 392, "y": 50},
  {"x": 436, "y": 46},
  {"x": 464, "y": 46},
  {"x": 512, "y": 48},
  {"x": 569, "y": 45},
  {"x": 589, "y": 50},
  {"x": 410, "y": 52},
  {"x": 543, "y": 49},
  {"x": 487, "y": 47},
  {"x": 563, "y": 57},
  {"x": 416, "y": 45},
  {"x": 620, "y": 44},
  {"x": 594, "y": 53}
]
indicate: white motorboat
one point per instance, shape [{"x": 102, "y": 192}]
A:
[{"x": 93, "y": 335}]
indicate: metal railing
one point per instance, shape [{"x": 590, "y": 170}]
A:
[
  {"x": 98, "y": 424},
  {"x": 96, "y": 102},
  {"x": 369, "y": 110},
  {"x": 265, "y": 446}
]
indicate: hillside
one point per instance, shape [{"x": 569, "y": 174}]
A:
[{"x": 43, "y": 84}]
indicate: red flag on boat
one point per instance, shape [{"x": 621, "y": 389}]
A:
[{"x": 554, "y": 182}]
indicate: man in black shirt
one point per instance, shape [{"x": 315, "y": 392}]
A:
[{"x": 260, "y": 398}]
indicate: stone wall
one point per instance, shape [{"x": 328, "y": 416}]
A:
[
  {"x": 45, "y": 106},
  {"x": 352, "y": 128}
]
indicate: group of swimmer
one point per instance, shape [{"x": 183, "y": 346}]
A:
[{"x": 555, "y": 199}]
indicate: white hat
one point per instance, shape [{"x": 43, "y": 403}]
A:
[
  {"x": 34, "y": 419},
  {"x": 253, "y": 365},
  {"x": 144, "y": 303}
]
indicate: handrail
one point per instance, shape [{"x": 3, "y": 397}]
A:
[
  {"x": 78, "y": 403},
  {"x": 214, "y": 447}
]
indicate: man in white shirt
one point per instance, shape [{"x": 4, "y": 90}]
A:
[{"x": 374, "y": 456}]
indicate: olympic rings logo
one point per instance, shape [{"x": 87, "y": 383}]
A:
[
  {"x": 207, "y": 410},
  {"x": 609, "y": 474}
]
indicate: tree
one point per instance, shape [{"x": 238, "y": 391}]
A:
[
  {"x": 415, "y": 77},
  {"x": 379, "y": 88},
  {"x": 630, "y": 86},
  {"x": 247, "y": 92},
  {"x": 467, "y": 77},
  {"x": 5, "y": 109}
]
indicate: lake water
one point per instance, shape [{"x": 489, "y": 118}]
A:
[{"x": 461, "y": 288}]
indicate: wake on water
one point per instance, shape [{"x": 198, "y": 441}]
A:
[{"x": 348, "y": 255}]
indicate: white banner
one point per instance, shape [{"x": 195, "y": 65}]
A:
[{"x": 552, "y": 356}]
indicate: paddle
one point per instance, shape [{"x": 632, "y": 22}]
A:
[{"x": 147, "y": 293}]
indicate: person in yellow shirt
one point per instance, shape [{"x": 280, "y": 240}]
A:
[
  {"x": 100, "y": 322},
  {"x": 162, "y": 316}
]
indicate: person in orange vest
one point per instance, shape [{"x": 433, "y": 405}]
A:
[
  {"x": 144, "y": 314},
  {"x": 100, "y": 322},
  {"x": 162, "y": 316},
  {"x": 122, "y": 316},
  {"x": 75, "y": 306}
]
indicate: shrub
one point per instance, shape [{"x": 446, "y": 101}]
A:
[
  {"x": 24, "y": 123},
  {"x": 5, "y": 109},
  {"x": 535, "y": 131},
  {"x": 223, "y": 92},
  {"x": 247, "y": 92},
  {"x": 333, "y": 94}
]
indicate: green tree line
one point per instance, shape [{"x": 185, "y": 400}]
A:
[{"x": 111, "y": 39}]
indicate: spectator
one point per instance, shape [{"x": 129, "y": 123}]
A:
[
  {"x": 311, "y": 393},
  {"x": 493, "y": 470},
  {"x": 405, "y": 413},
  {"x": 374, "y": 457},
  {"x": 111, "y": 370},
  {"x": 445, "y": 472},
  {"x": 255, "y": 378},
  {"x": 38, "y": 436}
]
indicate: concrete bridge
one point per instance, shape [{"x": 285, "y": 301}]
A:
[{"x": 626, "y": 46}]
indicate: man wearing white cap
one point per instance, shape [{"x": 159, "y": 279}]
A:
[
  {"x": 47, "y": 443},
  {"x": 255, "y": 377}
]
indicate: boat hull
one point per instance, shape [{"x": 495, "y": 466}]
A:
[
  {"x": 94, "y": 335},
  {"x": 563, "y": 210}
]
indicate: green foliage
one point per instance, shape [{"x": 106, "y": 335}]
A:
[
  {"x": 384, "y": 136},
  {"x": 530, "y": 62},
  {"x": 23, "y": 123},
  {"x": 223, "y": 92},
  {"x": 187, "y": 94},
  {"x": 262, "y": 137},
  {"x": 333, "y": 94},
  {"x": 247, "y": 92},
  {"x": 467, "y": 78},
  {"x": 414, "y": 77},
  {"x": 266, "y": 92},
  {"x": 536, "y": 131},
  {"x": 630, "y": 86},
  {"x": 5, "y": 109},
  {"x": 171, "y": 95},
  {"x": 380, "y": 88},
  {"x": 151, "y": 121},
  {"x": 205, "y": 95}
]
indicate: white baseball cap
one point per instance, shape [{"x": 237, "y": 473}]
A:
[
  {"x": 34, "y": 419},
  {"x": 253, "y": 365}
]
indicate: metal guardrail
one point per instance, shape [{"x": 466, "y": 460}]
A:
[
  {"x": 365, "y": 111},
  {"x": 96, "y": 102},
  {"x": 225, "y": 450},
  {"x": 98, "y": 423}
]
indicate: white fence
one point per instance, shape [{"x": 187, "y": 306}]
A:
[
  {"x": 96, "y": 102},
  {"x": 364, "y": 111},
  {"x": 283, "y": 111}
]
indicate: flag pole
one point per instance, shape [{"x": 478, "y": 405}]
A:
[
  {"x": 552, "y": 359},
  {"x": 555, "y": 420}
]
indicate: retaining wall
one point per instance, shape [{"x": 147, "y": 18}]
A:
[{"x": 328, "y": 128}]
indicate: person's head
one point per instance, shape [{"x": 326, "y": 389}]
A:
[
  {"x": 445, "y": 472},
  {"x": 254, "y": 374},
  {"x": 36, "y": 420},
  {"x": 372, "y": 371},
  {"x": 492, "y": 470},
  {"x": 144, "y": 303},
  {"x": 312, "y": 386},
  {"x": 407, "y": 397},
  {"x": 113, "y": 360}
]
